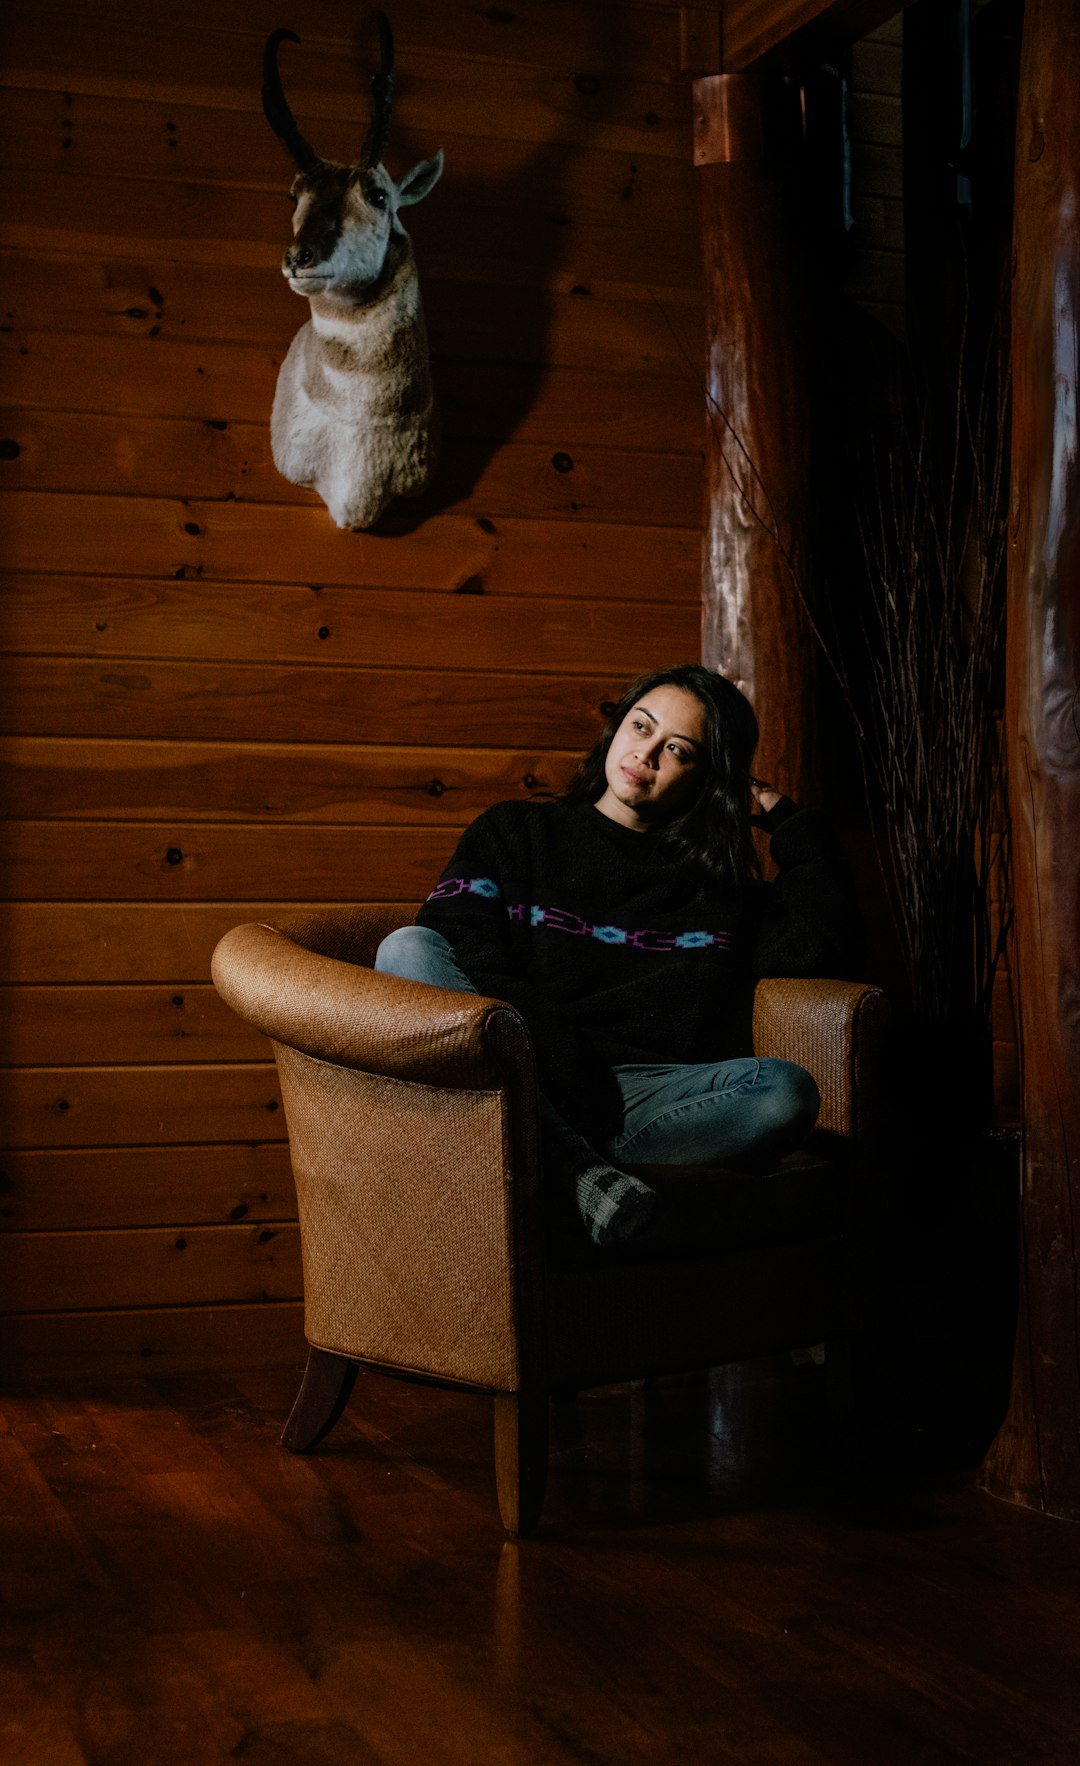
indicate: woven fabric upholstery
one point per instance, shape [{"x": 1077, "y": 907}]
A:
[
  {"x": 834, "y": 1029},
  {"x": 405, "y": 1217},
  {"x": 341, "y": 1012}
]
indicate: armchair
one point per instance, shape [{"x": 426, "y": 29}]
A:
[{"x": 413, "y": 1128}]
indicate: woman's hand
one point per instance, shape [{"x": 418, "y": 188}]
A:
[{"x": 764, "y": 795}]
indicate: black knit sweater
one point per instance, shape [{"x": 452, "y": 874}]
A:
[{"x": 613, "y": 953}]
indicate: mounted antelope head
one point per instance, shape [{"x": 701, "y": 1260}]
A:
[{"x": 353, "y": 412}]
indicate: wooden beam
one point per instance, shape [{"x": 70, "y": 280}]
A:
[
  {"x": 1036, "y": 1457},
  {"x": 751, "y": 28},
  {"x": 759, "y": 499}
]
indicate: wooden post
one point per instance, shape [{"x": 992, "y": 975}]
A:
[
  {"x": 758, "y": 496},
  {"x": 1036, "y": 1457}
]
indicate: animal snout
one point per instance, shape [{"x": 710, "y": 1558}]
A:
[{"x": 298, "y": 257}]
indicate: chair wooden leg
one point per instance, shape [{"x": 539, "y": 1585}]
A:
[
  {"x": 521, "y": 1458},
  {"x": 323, "y": 1395}
]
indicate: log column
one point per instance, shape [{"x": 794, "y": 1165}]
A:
[
  {"x": 758, "y": 497},
  {"x": 1036, "y": 1457}
]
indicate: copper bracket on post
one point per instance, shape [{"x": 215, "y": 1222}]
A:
[{"x": 727, "y": 120}]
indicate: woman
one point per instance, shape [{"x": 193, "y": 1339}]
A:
[{"x": 626, "y": 923}]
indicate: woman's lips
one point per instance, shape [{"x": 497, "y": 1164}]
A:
[{"x": 634, "y": 778}]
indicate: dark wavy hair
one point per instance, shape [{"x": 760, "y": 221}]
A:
[{"x": 713, "y": 831}]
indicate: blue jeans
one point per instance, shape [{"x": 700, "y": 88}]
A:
[{"x": 709, "y": 1113}]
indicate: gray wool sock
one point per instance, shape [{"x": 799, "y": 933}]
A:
[{"x": 614, "y": 1206}]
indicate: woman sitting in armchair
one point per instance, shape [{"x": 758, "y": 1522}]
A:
[{"x": 627, "y": 923}]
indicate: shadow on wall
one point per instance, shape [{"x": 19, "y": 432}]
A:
[{"x": 518, "y": 227}]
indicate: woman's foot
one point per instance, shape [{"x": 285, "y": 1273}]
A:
[{"x": 614, "y": 1206}]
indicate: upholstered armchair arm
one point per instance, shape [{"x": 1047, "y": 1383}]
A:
[
  {"x": 412, "y": 1127},
  {"x": 834, "y": 1029},
  {"x": 342, "y": 1012}
]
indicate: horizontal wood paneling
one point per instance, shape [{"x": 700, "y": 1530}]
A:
[
  {"x": 160, "y": 1340},
  {"x": 878, "y": 171},
  {"x": 144, "y": 1186},
  {"x": 142, "y": 1266},
  {"x": 151, "y": 376},
  {"x": 66, "y": 1026},
  {"x": 66, "y": 942},
  {"x": 72, "y": 134},
  {"x": 563, "y": 323},
  {"x": 45, "y": 777},
  {"x": 539, "y": 33},
  {"x": 876, "y": 118},
  {"x": 479, "y": 96},
  {"x": 121, "y": 616},
  {"x": 131, "y": 456},
  {"x": 194, "y": 539},
  {"x": 876, "y": 277},
  {"x": 216, "y": 224},
  {"x": 144, "y": 1106},
  {"x": 234, "y": 702},
  {"x": 119, "y": 861}
]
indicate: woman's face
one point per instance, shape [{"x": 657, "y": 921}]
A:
[{"x": 654, "y": 763}]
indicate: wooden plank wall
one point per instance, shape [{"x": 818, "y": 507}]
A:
[
  {"x": 876, "y": 275},
  {"x": 214, "y": 702}
]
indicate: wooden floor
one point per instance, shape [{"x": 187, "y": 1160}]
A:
[{"x": 707, "y": 1587}]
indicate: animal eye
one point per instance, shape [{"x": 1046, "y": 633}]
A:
[{"x": 377, "y": 197}]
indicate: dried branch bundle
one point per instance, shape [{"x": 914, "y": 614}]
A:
[{"x": 928, "y": 685}]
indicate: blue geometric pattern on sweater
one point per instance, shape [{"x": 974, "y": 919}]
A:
[
  {"x": 563, "y": 920},
  {"x": 485, "y": 886}
]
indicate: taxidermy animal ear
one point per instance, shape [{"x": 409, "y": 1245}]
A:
[{"x": 415, "y": 185}]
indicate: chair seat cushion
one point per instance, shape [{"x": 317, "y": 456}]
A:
[{"x": 704, "y": 1210}]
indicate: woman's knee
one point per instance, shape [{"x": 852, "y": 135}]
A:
[
  {"x": 416, "y": 953},
  {"x": 792, "y": 1094},
  {"x": 408, "y": 951}
]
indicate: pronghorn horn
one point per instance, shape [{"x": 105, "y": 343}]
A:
[
  {"x": 276, "y": 107},
  {"x": 382, "y": 93}
]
